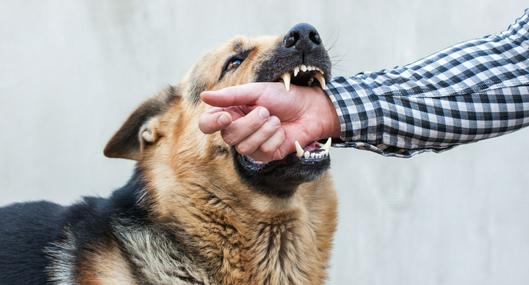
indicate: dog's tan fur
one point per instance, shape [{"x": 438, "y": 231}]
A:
[{"x": 245, "y": 237}]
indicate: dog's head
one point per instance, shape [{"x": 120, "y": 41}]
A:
[{"x": 163, "y": 132}]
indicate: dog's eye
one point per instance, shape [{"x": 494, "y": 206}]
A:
[{"x": 233, "y": 64}]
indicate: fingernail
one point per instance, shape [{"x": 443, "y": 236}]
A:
[
  {"x": 224, "y": 119},
  {"x": 274, "y": 121},
  {"x": 263, "y": 113}
]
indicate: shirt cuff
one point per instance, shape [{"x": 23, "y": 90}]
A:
[{"x": 358, "y": 109}]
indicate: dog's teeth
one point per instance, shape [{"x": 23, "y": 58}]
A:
[
  {"x": 309, "y": 68},
  {"x": 299, "y": 149},
  {"x": 296, "y": 71},
  {"x": 303, "y": 68},
  {"x": 310, "y": 82},
  {"x": 286, "y": 80},
  {"x": 327, "y": 145},
  {"x": 321, "y": 79},
  {"x": 307, "y": 155}
]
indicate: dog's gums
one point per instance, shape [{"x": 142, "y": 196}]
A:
[{"x": 314, "y": 151}]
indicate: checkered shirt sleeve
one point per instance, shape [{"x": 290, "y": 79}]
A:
[{"x": 471, "y": 91}]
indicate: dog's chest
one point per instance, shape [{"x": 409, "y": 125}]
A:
[
  {"x": 156, "y": 259},
  {"x": 274, "y": 253}
]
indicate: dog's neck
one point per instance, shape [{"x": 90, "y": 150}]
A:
[{"x": 223, "y": 239}]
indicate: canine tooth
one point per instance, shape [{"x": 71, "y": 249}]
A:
[
  {"x": 321, "y": 79},
  {"x": 299, "y": 150},
  {"x": 307, "y": 155},
  {"x": 303, "y": 68},
  {"x": 327, "y": 144},
  {"x": 296, "y": 71},
  {"x": 286, "y": 80}
]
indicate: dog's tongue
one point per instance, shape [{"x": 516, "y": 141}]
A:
[{"x": 312, "y": 147}]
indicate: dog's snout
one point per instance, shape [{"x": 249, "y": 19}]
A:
[{"x": 303, "y": 37}]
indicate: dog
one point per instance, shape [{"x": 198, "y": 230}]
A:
[{"x": 195, "y": 211}]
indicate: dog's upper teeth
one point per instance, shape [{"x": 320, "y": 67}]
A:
[
  {"x": 296, "y": 71},
  {"x": 286, "y": 80},
  {"x": 321, "y": 79},
  {"x": 299, "y": 149},
  {"x": 303, "y": 68}
]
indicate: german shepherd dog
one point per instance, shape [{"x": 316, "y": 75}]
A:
[{"x": 194, "y": 211}]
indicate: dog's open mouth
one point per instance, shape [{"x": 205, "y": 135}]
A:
[
  {"x": 303, "y": 61},
  {"x": 304, "y": 75},
  {"x": 312, "y": 154}
]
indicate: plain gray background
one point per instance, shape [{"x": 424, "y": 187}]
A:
[{"x": 71, "y": 71}]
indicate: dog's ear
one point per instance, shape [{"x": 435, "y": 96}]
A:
[{"x": 141, "y": 128}]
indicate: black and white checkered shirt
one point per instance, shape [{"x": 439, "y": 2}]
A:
[{"x": 471, "y": 91}]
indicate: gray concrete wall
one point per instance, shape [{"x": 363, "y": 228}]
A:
[{"x": 71, "y": 71}]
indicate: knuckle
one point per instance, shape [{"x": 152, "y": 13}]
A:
[
  {"x": 271, "y": 126},
  {"x": 243, "y": 149},
  {"x": 278, "y": 154},
  {"x": 228, "y": 139},
  {"x": 267, "y": 149}
]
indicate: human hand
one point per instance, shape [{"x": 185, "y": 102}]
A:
[{"x": 263, "y": 120}]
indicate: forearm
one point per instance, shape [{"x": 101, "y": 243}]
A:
[{"x": 472, "y": 91}]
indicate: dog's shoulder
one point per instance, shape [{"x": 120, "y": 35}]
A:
[{"x": 25, "y": 229}]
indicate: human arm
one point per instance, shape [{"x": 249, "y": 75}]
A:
[{"x": 472, "y": 91}]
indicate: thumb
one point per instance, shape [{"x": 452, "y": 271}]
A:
[{"x": 246, "y": 94}]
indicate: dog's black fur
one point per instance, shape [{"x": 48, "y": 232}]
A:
[{"x": 27, "y": 229}]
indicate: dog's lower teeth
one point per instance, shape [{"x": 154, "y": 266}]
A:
[
  {"x": 327, "y": 145},
  {"x": 299, "y": 149}
]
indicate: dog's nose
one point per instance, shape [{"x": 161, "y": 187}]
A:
[{"x": 303, "y": 37}]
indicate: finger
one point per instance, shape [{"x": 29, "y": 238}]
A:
[
  {"x": 246, "y": 94},
  {"x": 269, "y": 150},
  {"x": 213, "y": 121},
  {"x": 242, "y": 128},
  {"x": 254, "y": 141}
]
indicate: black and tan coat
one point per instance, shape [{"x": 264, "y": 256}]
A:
[{"x": 195, "y": 211}]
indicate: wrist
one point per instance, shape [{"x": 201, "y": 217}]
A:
[{"x": 330, "y": 123}]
